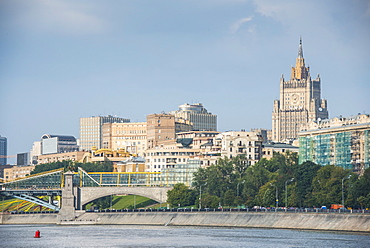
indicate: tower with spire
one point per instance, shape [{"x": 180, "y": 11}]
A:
[{"x": 300, "y": 102}]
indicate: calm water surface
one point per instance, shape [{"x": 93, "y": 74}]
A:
[{"x": 169, "y": 236}]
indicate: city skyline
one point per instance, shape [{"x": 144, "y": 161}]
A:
[{"x": 64, "y": 60}]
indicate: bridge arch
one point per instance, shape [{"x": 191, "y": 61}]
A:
[{"x": 88, "y": 194}]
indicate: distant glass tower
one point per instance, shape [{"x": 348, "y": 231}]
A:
[
  {"x": 3, "y": 150},
  {"x": 300, "y": 102},
  {"x": 91, "y": 130}
]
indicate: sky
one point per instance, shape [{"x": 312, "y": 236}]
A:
[{"x": 66, "y": 59}]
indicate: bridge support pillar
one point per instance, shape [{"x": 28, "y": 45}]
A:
[{"x": 67, "y": 212}]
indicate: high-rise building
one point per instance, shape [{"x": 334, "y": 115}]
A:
[
  {"x": 201, "y": 119},
  {"x": 300, "y": 102},
  {"x": 35, "y": 152},
  {"x": 53, "y": 144},
  {"x": 91, "y": 130},
  {"x": 3, "y": 150},
  {"x": 340, "y": 141},
  {"x": 23, "y": 159}
]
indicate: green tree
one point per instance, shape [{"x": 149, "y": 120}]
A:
[
  {"x": 256, "y": 176},
  {"x": 361, "y": 189},
  {"x": 228, "y": 198},
  {"x": 105, "y": 166},
  {"x": 327, "y": 185},
  {"x": 209, "y": 201},
  {"x": 304, "y": 174},
  {"x": 181, "y": 195}
]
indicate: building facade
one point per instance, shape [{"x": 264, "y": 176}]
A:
[
  {"x": 240, "y": 143},
  {"x": 3, "y": 150},
  {"x": 201, "y": 119},
  {"x": 340, "y": 141},
  {"x": 76, "y": 156},
  {"x": 35, "y": 152},
  {"x": 300, "y": 102},
  {"x": 133, "y": 164},
  {"x": 23, "y": 159},
  {"x": 163, "y": 128},
  {"x": 268, "y": 149},
  {"x": 52, "y": 144},
  {"x": 16, "y": 172},
  {"x": 91, "y": 130},
  {"x": 129, "y": 136}
]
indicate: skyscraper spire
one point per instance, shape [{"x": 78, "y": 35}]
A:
[{"x": 300, "y": 49}]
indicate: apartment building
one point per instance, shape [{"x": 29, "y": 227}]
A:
[
  {"x": 340, "y": 141},
  {"x": 129, "y": 136}
]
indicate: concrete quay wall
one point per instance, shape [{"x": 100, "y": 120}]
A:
[
  {"x": 28, "y": 218},
  {"x": 312, "y": 221},
  {"x": 308, "y": 221}
]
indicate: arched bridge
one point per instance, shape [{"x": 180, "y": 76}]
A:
[{"x": 84, "y": 187}]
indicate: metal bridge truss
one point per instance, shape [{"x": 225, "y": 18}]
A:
[
  {"x": 46, "y": 180},
  {"x": 42, "y": 184},
  {"x": 35, "y": 200}
]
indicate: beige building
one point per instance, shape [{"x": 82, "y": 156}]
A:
[
  {"x": 201, "y": 119},
  {"x": 133, "y": 164},
  {"x": 196, "y": 139},
  {"x": 163, "y": 127},
  {"x": 268, "y": 149},
  {"x": 128, "y": 136},
  {"x": 50, "y": 158},
  {"x": 16, "y": 172},
  {"x": 300, "y": 102},
  {"x": 91, "y": 130}
]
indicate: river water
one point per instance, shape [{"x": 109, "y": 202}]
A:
[{"x": 170, "y": 236}]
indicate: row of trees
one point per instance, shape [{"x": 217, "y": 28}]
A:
[
  {"x": 279, "y": 181},
  {"x": 73, "y": 166}
]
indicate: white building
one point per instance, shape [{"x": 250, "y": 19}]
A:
[
  {"x": 237, "y": 143},
  {"x": 201, "y": 119}
]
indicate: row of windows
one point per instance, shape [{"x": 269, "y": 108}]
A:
[{"x": 179, "y": 160}]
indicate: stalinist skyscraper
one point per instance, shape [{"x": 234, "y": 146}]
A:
[{"x": 300, "y": 102}]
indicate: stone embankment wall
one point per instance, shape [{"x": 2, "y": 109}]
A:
[
  {"x": 28, "y": 218},
  {"x": 308, "y": 221},
  {"x": 313, "y": 221}
]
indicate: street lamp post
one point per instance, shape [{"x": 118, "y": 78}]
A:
[
  {"x": 200, "y": 195},
  {"x": 276, "y": 196},
  {"x": 237, "y": 187},
  {"x": 343, "y": 187},
  {"x": 286, "y": 192}
]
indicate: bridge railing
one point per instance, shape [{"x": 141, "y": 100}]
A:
[{"x": 111, "y": 179}]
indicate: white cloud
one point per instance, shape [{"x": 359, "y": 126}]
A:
[
  {"x": 236, "y": 26},
  {"x": 65, "y": 17}
]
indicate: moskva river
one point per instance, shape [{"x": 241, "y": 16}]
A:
[{"x": 170, "y": 236}]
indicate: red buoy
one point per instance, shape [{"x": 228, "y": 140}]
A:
[{"x": 37, "y": 234}]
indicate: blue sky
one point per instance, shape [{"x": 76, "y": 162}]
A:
[{"x": 62, "y": 60}]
